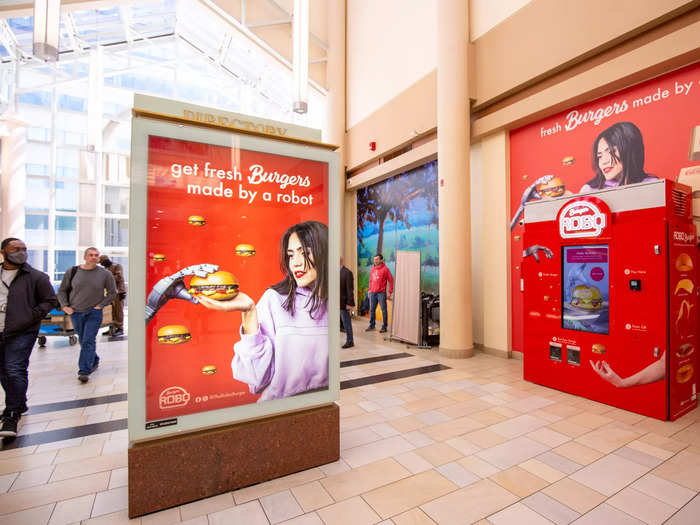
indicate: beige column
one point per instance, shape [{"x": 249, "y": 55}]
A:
[
  {"x": 14, "y": 176},
  {"x": 456, "y": 338},
  {"x": 334, "y": 128},
  {"x": 496, "y": 243}
]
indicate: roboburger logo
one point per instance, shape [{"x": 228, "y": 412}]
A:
[
  {"x": 173, "y": 397},
  {"x": 581, "y": 219},
  {"x": 683, "y": 236}
]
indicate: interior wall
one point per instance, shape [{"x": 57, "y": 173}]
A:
[
  {"x": 476, "y": 173},
  {"x": 484, "y": 15},
  {"x": 390, "y": 45}
]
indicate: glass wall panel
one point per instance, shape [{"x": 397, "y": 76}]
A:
[
  {"x": 86, "y": 231},
  {"x": 116, "y": 232},
  {"x": 87, "y": 198},
  {"x": 63, "y": 260},
  {"x": 37, "y": 198},
  {"x": 116, "y": 200},
  {"x": 39, "y": 259},
  {"x": 36, "y": 229},
  {"x": 66, "y": 230},
  {"x": 66, "y": 196}
]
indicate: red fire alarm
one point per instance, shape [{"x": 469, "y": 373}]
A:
[{"x": 373, "y": 146}]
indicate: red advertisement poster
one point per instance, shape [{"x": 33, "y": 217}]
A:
[
  {"x": 237, "y": 277},
  {"x": 645, "y": 132}
]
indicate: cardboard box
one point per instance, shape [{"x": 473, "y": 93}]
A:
[
  {"x": 694, "y": 153},
  {"x": 691, "y": 177}
]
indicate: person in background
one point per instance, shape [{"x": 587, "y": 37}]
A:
[
  {"x": 347, "y": 302},
  {"x": 117, "y": 327},
  {"x": 26, "y": 296},
  {"x": 84, "y": 291},
  {"x": 379, "y": 277}
]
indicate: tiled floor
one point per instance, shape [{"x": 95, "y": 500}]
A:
[{"x": 473, "y": 443}]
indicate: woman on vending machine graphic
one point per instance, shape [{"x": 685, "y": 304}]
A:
[
  {"x": 283, "y": 349},
  {"x": 617, "y": 158}
]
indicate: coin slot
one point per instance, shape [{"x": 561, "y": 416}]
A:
[
  {"x": 573, "y": 355},
  {"x": 555, "y": 351}
]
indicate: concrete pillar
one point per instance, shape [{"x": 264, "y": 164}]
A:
[
  {"x": 456, "y": 338},
  {"x": 496, "y": 243},
  {"x": 14, "y": 176}
]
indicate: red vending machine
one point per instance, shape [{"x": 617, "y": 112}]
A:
[{"x": 611, "y": 297}]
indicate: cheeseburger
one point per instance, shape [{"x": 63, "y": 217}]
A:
[
  {"x": 245, "y": 250},
  {"x": 158, "y": 257},
  {"x": 220, "y": 286},
  {"x": 568, "y": 161},
  {"x": 196, "y": 220},
  {"x": 209, "y": 370},
  {"x": 554, "y": 188},
  {"x": 174, "y": 334},
  {"x": 597, "y": 348},
  {"x": 587, "y": 297},
  {"x": 684, "y": 263}
]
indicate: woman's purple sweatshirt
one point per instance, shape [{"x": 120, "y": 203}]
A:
[{"x": 289, "y": 354}]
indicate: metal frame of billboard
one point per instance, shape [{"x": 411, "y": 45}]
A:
[{"x": 145, "y": 125}]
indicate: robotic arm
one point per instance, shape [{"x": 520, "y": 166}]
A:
[
  {"x": 173, "y": 287},
  {"x": 529, "y": 194}
]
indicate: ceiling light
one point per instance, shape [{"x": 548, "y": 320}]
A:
[
  {"x": 47, "y": 20},
  {"x": 300, "y": 56}
]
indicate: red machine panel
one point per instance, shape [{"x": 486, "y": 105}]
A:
[{"x": 605, "y": 280}]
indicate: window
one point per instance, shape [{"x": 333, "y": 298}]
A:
[
  {"x": 116, "y": 232},
  {"x": 66, "y": 173},
  {"x": 38, "y": 134},
  {"x": 87, "y": 231},
  {"x": 87, "y": 198},
  {"x": 66, "y": 231},
  {"x": 36, "y": 230},
  {"x": 116, "y": 200},
  {"x": 37, "y": 194},
  {"x": 72, "y": 103},
  {"x": 38, "y": 98},
  {"x": 40, "y": 170},
  {"x": 63, "y": 260},
  {"x": 66, "y": 196},
  {"x": 39, "y": 259}
]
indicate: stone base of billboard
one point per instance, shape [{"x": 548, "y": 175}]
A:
[{"x": 175, "y": 470}]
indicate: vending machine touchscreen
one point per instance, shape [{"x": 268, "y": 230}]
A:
[
  {"x": 586, "y": 288},
  {"x": 611, "y": 297}
]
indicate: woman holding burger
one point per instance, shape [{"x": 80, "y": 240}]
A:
[
  {"x": 283, "y": 349},
  {"x": 617, "y": 158}
]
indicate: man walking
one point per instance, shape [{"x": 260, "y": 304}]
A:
[
  {"x": 378, "y": 279},
  {"x": 26, "y": 296},
  {"x": 347, "y": 302},
  {"x": 117, "y": 327},
  {"x": 82, "y": 296}
]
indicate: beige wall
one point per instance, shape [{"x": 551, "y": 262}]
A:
[
  {"x": 390, "y": 45},
  {"x": 477, "y": 182},
  {"x": 484, "y": 15}
]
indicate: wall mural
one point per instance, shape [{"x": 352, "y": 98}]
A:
[{"x": 400, "y": 213}]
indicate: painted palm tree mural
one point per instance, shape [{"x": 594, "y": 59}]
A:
[{"x": 400, "y": 213}]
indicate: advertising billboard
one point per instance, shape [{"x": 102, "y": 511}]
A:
[
  {"x": 641, "y": 134},
  {"x": 235, "y": 238}
]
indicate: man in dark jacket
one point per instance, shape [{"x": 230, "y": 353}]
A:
[
  {"x": 26, "y": 296},
  {"x": 347, "y": 303},
  {"x": 117, "y": 327}
]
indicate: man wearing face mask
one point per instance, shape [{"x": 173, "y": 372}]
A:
[
  {"x": 26, "y": 296},
  {"x": 117, "y": 327}
]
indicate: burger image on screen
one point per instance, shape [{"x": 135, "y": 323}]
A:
[
  {"x": 554, "y": 188},
  {"x": 568, "y": 161},
  {"x": 587, "y": 297},
  {"x": 597, "y": 348},
  {"x": 209, "y": 370},
  {"x": 220, "y": 286},
  {"x": 684, "y": 263},
  {"x": 196, "y": 220},
  {"x": 158, "y": 257},
  {"x": 173, "y": 334},
  {"x": 245, "y": 250}
]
